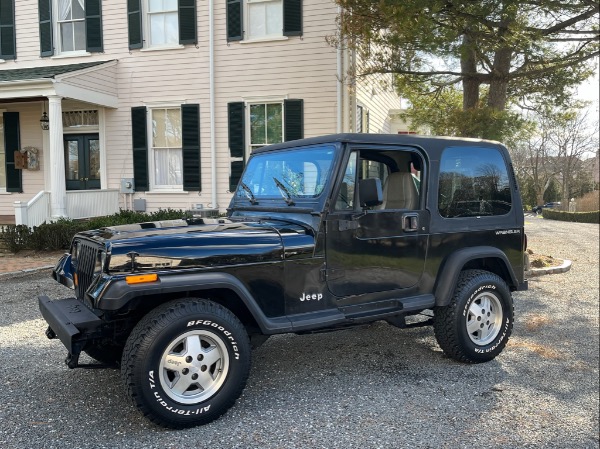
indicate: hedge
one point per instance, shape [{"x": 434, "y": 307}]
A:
[
  {"x": 58, "y": 235},
  {"x": 576, "y": 217}
]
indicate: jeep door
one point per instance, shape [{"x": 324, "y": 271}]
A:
[{"x": 381, "y": 248}]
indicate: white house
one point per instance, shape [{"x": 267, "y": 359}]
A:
[{"x": 170, "y": 95}]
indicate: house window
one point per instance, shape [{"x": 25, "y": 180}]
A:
[
  {"x": 265, "y": 18},
  {"x": 70, "y": 19},
  {"x": 166, "y": 159},
  {"x": 163, "y": 22},
  {"x": 266, "y": 124}
]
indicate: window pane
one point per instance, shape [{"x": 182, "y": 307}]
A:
[
  {"x": 170, "y": 5},
  {"x": 79, "y": 43},
  {"x": 274, "y": 19},
  {"x": 94, "y": 159},
  {"x": 66, "y": 36},
  {"x": 168, "y": 165},
  {"x": 256, "y": 13},
  {"x": 257, "y": 124},
  {"x": 158, "y": 128},
  {"x": 274, "y": 123},
  {"x": 171, "y": 28},
  {"x": 72, "y": 160},
  {"x": 157, "y": 29},
  {"x": 155, "y": 5},
  {"x": 473, "y": 182},
  {"x": 78, "y": 11},
  {"x": 173, "y": 128},
  {"x": 345, "y": 198}
]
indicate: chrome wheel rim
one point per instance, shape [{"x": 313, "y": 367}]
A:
[
  {"x": 194, "y": 367},
  {"x": 484, "y": 318}
]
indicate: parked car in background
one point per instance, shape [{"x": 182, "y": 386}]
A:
[{"x": 551, "y": 205}]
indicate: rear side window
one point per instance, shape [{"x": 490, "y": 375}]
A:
[{"x": 474, "y": 182}]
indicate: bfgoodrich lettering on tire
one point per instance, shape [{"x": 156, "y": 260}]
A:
[
  {"x": 477, "y": 323},
  {"x": 186, "y": 362}
]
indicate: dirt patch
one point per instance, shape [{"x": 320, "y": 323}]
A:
[
  {"x": 541, "y": 350},
  {"x": 536, "y": 322},
  {"x": 543, "y": 261}
]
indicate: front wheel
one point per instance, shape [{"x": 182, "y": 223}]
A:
[
  {"x": 186, "y": 362},
  {"x": 477, "y": 323}
]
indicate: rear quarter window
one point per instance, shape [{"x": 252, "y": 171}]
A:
[{"x": 473, "y": 182}]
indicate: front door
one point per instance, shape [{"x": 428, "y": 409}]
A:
[
  {"x": 82, "y": 161},
  {"x": 383, "y": 248}
]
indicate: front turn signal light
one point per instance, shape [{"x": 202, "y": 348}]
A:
[{"x": 141, "y": 278}]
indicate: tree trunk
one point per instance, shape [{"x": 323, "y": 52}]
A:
[
  {"x": 499, "y": 79},
  {"x": 470, "y": 80}
]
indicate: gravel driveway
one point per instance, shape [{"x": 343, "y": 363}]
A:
[{"x": 368, "y": 387}]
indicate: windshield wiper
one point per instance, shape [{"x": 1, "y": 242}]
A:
[
  {"x": 285, "y": 193},
  {"x": 249, "y": 193}
]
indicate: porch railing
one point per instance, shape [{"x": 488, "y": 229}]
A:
[
  {"x": 80, "y": 204},
  {"x": 33, "y": 212}
]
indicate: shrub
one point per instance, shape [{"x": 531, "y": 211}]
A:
[
  {"x": 58, "y": 235},
  {"x": 576, "y": 217}
]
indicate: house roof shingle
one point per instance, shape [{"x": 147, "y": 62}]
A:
[{"x": 44, "y": 72}]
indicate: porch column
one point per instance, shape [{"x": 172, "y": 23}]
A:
[{"x": 58, "y": 190}]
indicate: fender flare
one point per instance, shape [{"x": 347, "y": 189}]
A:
[
  {"x": 453, "y": 265},
  {"x": 117, "y": 294}
]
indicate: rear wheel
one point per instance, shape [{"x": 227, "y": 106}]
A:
[
  {"x": 477, "y": 323},
  {"x": 186, "y": 362}
]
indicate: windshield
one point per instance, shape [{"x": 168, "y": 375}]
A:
[{"x": 295, "y": 173}]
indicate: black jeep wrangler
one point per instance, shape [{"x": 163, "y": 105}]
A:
[{"x": 321, "y": 234}]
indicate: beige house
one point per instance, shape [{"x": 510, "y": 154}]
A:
[{"x": 158, "y": 103}]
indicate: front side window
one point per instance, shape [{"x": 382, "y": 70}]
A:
[
  {"x": 265, "y": 18},
  {"x": 473, "y": 182},
  {"x": 71, "y": 25},
  {"x": 163, "y": 22},
  {"x": 166, "y": 154},
  {"x": 266, "y": 124},
  {"x": 297, "y": 173}
]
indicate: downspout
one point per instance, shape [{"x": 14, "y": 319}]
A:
[
  {"x": 213, "y": 142},
  {"x": 340, "y": 83}
]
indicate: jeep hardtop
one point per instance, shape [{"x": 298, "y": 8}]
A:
[{"x": 321, "y": 234}]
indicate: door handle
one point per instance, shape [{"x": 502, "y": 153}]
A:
[{"x": 410, "y": 222}]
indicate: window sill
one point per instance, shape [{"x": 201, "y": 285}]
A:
[
  {"x": 165, "y": 192},
  {"x": 2, "y": 61},
  {"x": 4, "y": 192},
  {"x": 264, "y": 39},
  {"x": 73, "y": 54},
  {"x": 163, "y": 48}
]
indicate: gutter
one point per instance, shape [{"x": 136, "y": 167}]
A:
[{"x": 213, "y": 144}]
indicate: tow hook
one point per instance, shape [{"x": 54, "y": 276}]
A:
[
  {"x": 72, "y": 360},
  {"x": 50, "y": 333}
]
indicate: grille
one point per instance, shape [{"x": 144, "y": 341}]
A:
[{"x": 85, "y": 263}]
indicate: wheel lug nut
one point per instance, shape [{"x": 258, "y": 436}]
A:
[
  {"x": 194, "y": 376},
  {"x": 203, "y": 368},
  {"x": 184, "y": 371},
  {"x": 189, "y": 359},
  {"x": 481, "y": 326},
  {"x": 200, "y": 357}
]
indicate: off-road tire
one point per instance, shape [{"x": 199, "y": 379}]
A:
[
  {"x": 105, "y": 353},
  {"x": 451, "y": 322},
  {"x": 159, "y": 351}
]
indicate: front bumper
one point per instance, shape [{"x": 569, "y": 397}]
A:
[{"x": 71, "y": 322}]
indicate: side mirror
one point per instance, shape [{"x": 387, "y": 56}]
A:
[{"x": 370, "y": 192}]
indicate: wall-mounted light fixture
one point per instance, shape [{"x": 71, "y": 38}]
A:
[{"x": 45, "y": 121}]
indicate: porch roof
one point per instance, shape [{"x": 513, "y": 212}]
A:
[{"x": 92, "y": 82}]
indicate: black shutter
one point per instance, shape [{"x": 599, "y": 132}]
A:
[
  {"x": 235, "y": 29},
  {"x": 188, "y": 32},
  {"x": 237, "y": 167},
  {"x": 46, "y": 44},
  {"x": 190, "y": 131},
  {"x": 294, "y": 119},
  {"x": 11, "y": 144},
  {"x": 140, "y": 148},
  {"x": 7, "y": 30},
  {"x": 237, "y": 129},
  {"x": 93, "y": 26},
  {"x": 292, "y": 17},
  {"x": 134, "y": 20},
  {"x": 237, "y": 141}
]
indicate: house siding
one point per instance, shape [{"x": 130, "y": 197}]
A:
[{"x": 294, "y": 68}]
